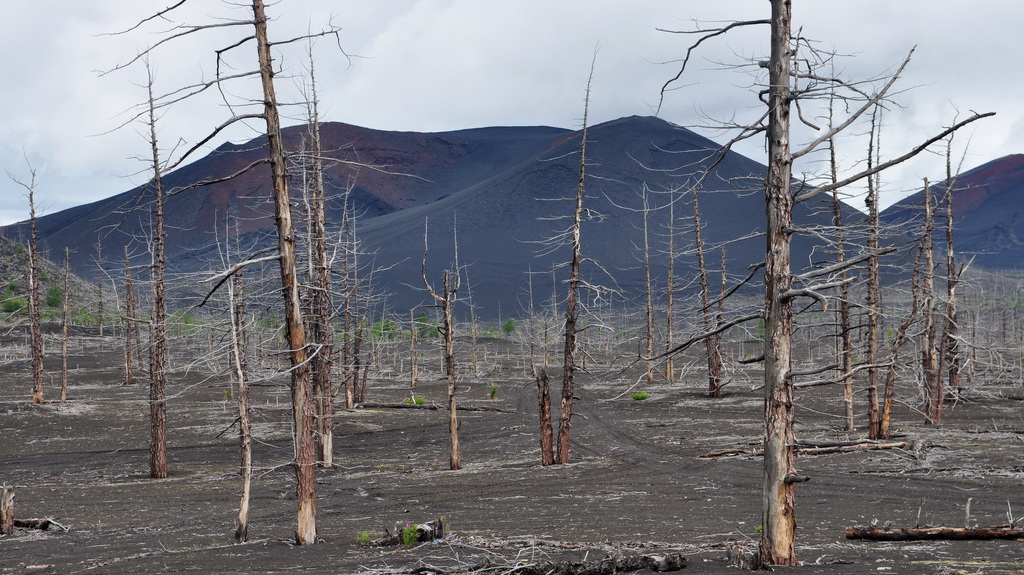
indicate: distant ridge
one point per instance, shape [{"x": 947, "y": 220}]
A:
[
  {"x": 988, "y": 213},
  {"x": 503, "y": 188}
]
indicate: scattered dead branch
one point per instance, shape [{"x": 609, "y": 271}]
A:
[
  {"x": 935, "y": 533},
  {"x": 805, "y": 448}
]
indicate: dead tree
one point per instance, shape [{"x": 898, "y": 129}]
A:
[
  {"x": 6, "y": 510},
  {"x": 302, "y": 404},
  {"x": 35, "y": 332},
  {"x": 158, "y": 354},
  {"x": 240, "y": 368},
  {"x": 785, "y": 85},
  {"x": 572, "y": 299},
  {"x": 874, "y": 290},
  {"x": 950, "y": 327},
  {"x": 648, "y": 290},
  {"x": 320, "y": 289},
  {"x": 129, "y": 320},
  {"x": 670, "y": 288},
  {"x": 64, "y": 317},
  {"x": 933, "y": 391},
  {"x": 712, "y": 343},
  {"x": 99, "y": 282},
  {"x": 450, "y": 283}
]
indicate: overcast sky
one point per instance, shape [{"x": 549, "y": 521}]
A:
[{"x": 436, "y": 65}]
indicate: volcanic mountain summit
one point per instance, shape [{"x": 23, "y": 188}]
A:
[{"x": 504, "y": 192}]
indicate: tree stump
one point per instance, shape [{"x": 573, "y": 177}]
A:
[{"x": 7, "y": 511}]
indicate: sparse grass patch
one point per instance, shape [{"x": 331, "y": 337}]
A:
[
  {"x": 640, "y": 395},
  {"x": 416, "y": 400}
]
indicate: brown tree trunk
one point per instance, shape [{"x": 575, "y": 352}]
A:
[
  {"x": 547, "y": 455},
  {"x": 302, "y": 404},
  {"x": 6, "y": 510},
  {"x": 929, "y": 357},
  {"x": 777, "y": 545},
  {"x": 712, "y": 346},
  {"x": 320, "y": 323},
  {"x": 455, "y": 460},
  {"x": 158, "y": 361},
  {"x": 950, "y": 327},
  {"x": 33, "y": 299},
  {"x": 571, "y": 301},
  {"x": 99, "y": 283},
  {"x": 64, "y": 316},
  {"x": 873, "y": 295}
]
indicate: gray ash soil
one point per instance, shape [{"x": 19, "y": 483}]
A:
[{"x": 636, "y": 484}]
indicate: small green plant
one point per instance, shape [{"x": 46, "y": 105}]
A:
[
  {"x": 363, "y": 538},
  {"x": 15, "y": 305},
  {"x": 508, "y": 327},
  {"x": 410, "y": 535},
  {"x": 227, "y": 395},
  {"x": 416, "y": 400},
  {"x": 759, "y": 529},
  {"x": 492, "y": 393},
  {"x": 54, "y": 296},
  {"x": 640, "y": 395}
]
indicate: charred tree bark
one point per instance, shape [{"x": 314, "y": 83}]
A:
[
  {"x": 950, "y": 326},
  {"x": 6, "y": 510},
  {"x": 885, "y": 430},
  {"x": 873, "y": 295},
  {"x": 302, "y": 404},
  {"x": 547, "y": 455},
  {"x": 777, "y": 545},
  {"x": 320, "y": 323},
  {"x": 572, "y": 300},
  {"x": 158, "y": 361},
  {"x": 36, "y": 335},
  {"x": 712, "y": 346},
  {"x": 934, "y": 533},
  {"x": 929, "y": 357},
  {"x": 64, "y": 317}
]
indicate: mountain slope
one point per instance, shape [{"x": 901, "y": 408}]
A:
[
  {"x": 988, "y": 213},
  {"x": 504, "y": 190}
]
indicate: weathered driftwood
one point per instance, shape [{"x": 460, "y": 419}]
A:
[
  {"x": 807, "y": 448},
  {"x": 607, "y": 566},
  {"x": 7, "y": 511},
  {"x": 934, "y": 533}
]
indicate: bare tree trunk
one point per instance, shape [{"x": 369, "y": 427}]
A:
[
  {"x": 302, "y": 404},
  {"x": 446, "y": 299},
  {"x": 874, "y": 294},
  {"x": 712, "y": 342},
  {"x": 321, "y": 306},
  {"x": 36, "y": 334},
  {"x": 547, "y": 455},
  {"x": 670, "y": 288},
  {"x": 99, "y": 283},
  {"x": 844, "y": 343},
  {"x": 64, "y": 316},
  {"x": 571, "y": 301},
  {"x": 413, "y": 355},
  {"x": 777, "y": 545},
  {"x": 950, "y": 326},
  {"x": 929, "y": 357},
  {"x": 900, "y": 337},
  {"x": 6, "y": 510},
  {"x": 240, "y": 367},
  {"x": 648, "y": 292},
  {"x": 158, "y": 361},
  {"x": 129, "y": 319}
]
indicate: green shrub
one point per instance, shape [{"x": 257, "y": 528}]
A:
[
  {"x": 410, "y": 535},
  {"x": 640, "y": 395},
  {"x": 384, "y": 330},
  {"x": 492, "y": 393},
  {"x": 14, "y": 305},
  {"x": 417, "y": 400},
  {"x": 363, "y": 538},
  {"x": 54, "y": 296},
  {"x": 508, "y": 327}
]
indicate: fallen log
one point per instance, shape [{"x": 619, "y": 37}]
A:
[
  {"x": 427, "y": 406},
  {"x": 934, "y": 533},
  {"x": 813, "y": 449},
  {"x": 607, "y": 566},
  {"x": 39, "y": 524}
]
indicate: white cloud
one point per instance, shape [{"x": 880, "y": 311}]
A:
[{"x": 433, "y": 65}]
